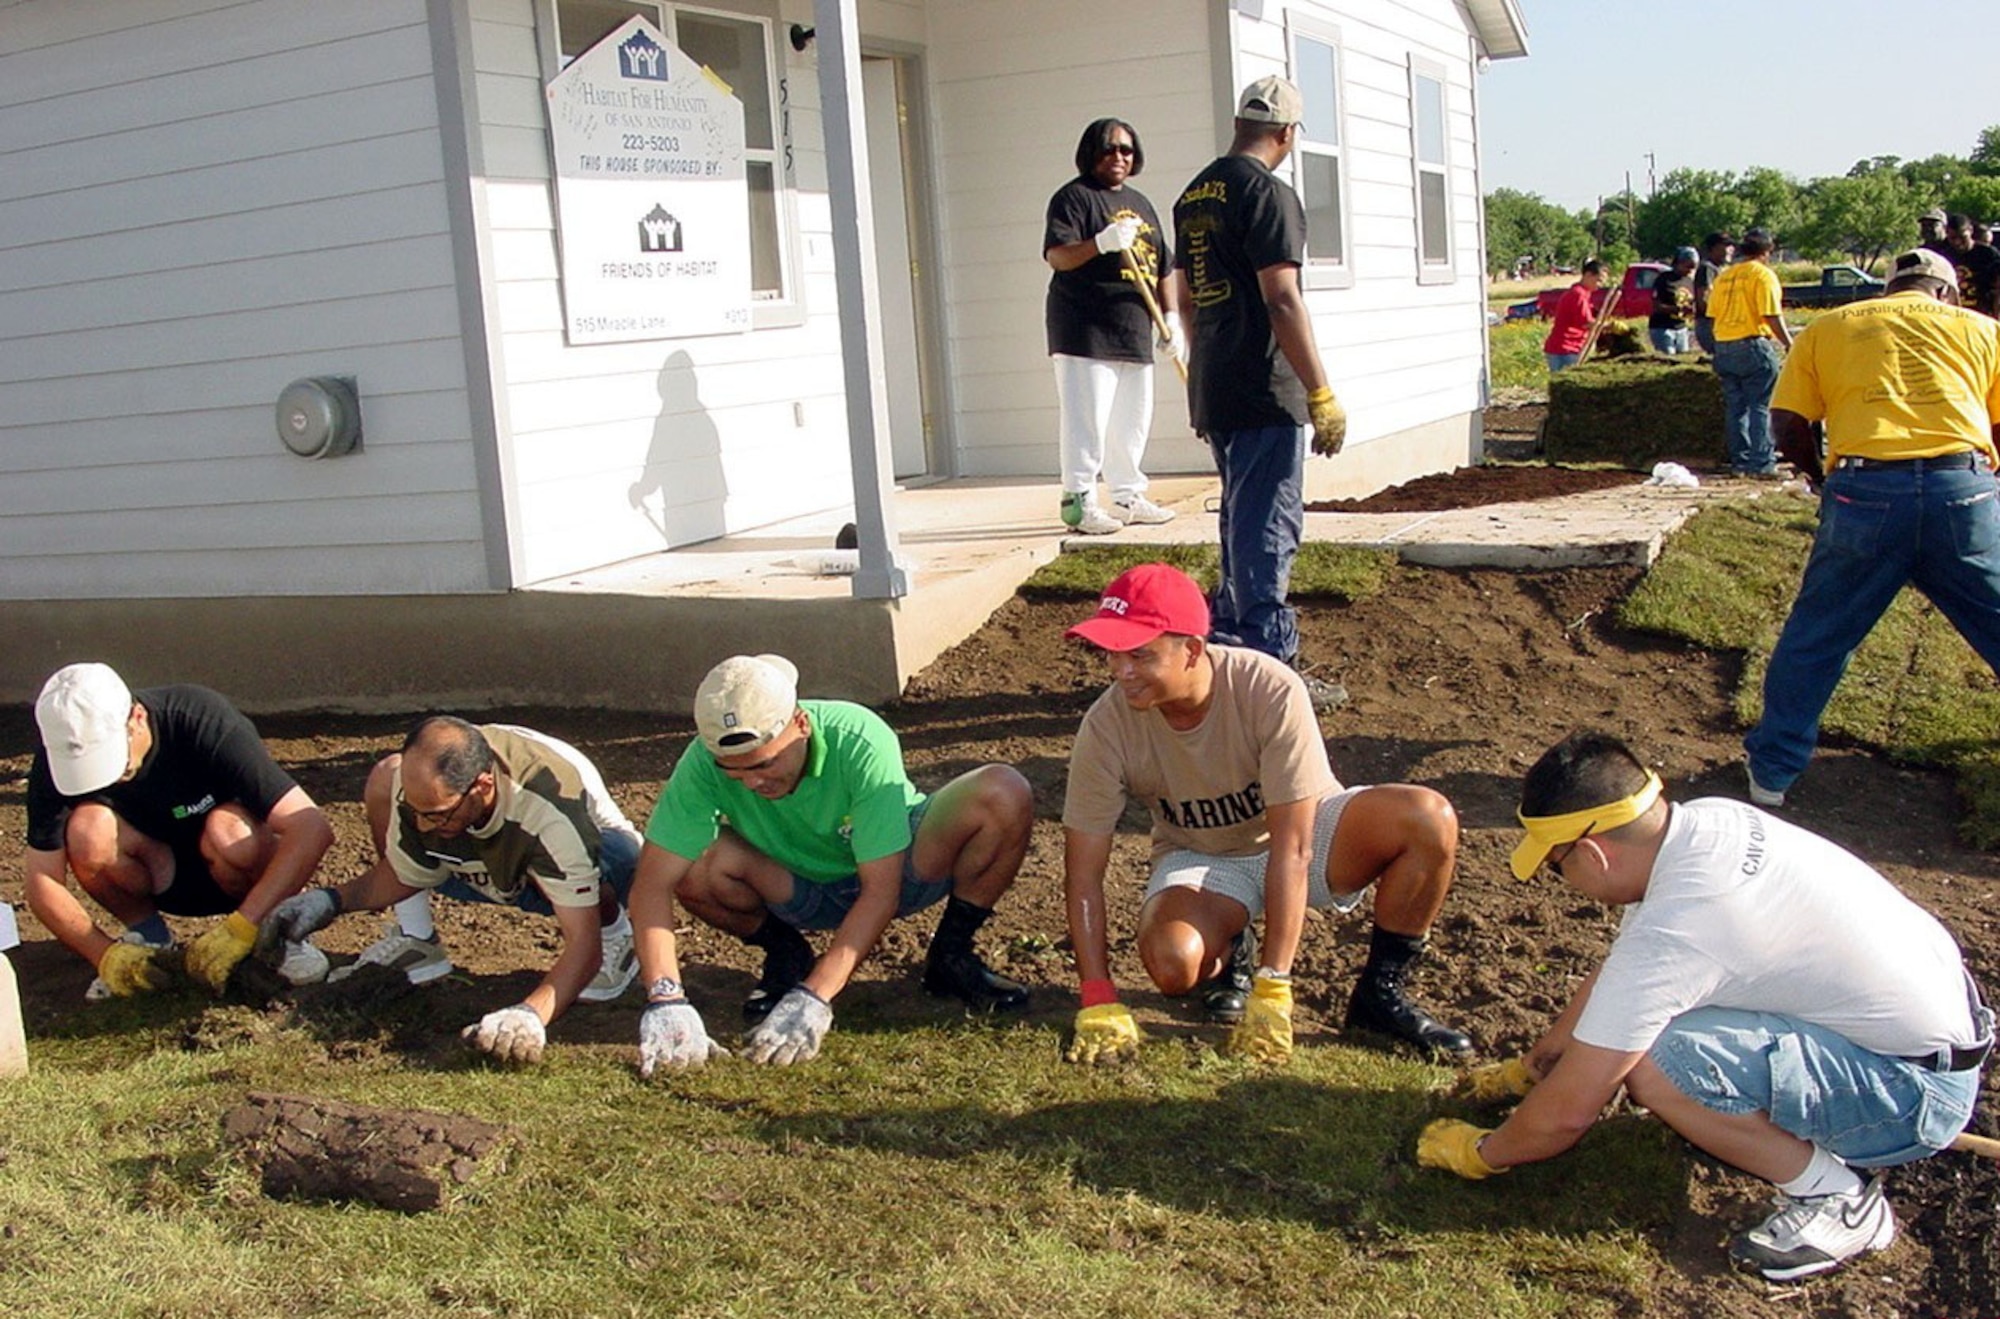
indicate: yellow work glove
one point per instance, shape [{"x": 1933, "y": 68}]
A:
[
  {"x": 1265, "y": 1033},
  {"x": 1329, "y": 421},
  {"x": 212, "y": 957},
  {"x": 130, "y": 968},
  {"x": 1454, "y": 1145},
  {"x": 1497, "y": 1081},
  {"x": 1104, "y": 1034}
]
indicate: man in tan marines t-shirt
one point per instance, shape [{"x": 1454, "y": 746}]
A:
[{"x": 1221, "y": 746}]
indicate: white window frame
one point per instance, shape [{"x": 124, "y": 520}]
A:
[
  {"x": 1335, "y": 271},
  {"x": 788, "y": 308},
  {"x": 1445, "y": 269}
]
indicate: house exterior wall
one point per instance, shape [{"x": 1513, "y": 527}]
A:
[
  {"x": 619, "y": 450},
  {"x": 200, "y": 202}
]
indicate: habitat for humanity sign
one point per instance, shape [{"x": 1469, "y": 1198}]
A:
[{"x": 651, "y": 203}]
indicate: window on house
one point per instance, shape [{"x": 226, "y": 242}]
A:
[
  {"x": 738, "y": 49},
  {"x": 1319, "y": 156},
  {"x": 1432, "y": 172}
]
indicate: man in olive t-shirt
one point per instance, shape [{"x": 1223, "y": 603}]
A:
[{"x": 1220, "y": 745}]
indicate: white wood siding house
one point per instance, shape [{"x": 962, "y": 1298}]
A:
[{"x": 202, "y": 200}]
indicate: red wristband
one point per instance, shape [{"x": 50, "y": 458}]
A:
[{"x": 1096, "y": 993}]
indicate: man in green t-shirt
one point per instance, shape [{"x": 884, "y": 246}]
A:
[{"x": 787, "y": 815}]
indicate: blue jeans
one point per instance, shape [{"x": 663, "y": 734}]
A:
[
  {"x": 1749, "y": 372},
  {"x": 1263, "y": 516},
  {"x": 1868, "y": 1110},
  {"x": 824, "y": 904},
  {"x": 1670, "y": 341},
  {"x": 617, "y": 858},
  {"x": 1561, "y": 361},
  {"x": 1931, "y": 522}
]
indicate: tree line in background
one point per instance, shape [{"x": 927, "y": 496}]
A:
[{"x": 1862, "y": 216}]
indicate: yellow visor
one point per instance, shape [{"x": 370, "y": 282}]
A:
[{"x": 1548, "y": 832}]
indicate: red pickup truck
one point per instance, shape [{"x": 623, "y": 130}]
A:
[{"x": 1635, "y": 293}]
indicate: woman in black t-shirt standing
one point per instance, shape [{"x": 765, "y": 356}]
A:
[{"x": 1100, "y": 333}]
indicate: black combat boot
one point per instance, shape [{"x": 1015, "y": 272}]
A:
[
  {"x": 788, "y": 960},
  {"x": 1379, "y": 1004},
  {"x": 952, "y": 968},
  {"x": 1225, "y": 995}
]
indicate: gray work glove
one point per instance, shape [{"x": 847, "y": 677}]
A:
[
  {"x": 793, "y": 1031},
  {"x": 672, "y": 1037},
  {"x": 510, "y": 1035},
  {"x": 295, "y": 918}
]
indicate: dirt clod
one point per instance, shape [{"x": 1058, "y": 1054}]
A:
[{"x": 316, "y": 1149}]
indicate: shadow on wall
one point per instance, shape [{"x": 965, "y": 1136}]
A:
[{"x": 681, "y": 488}]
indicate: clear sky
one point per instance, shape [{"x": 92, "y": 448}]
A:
[{"x": 1798, "y": 85}]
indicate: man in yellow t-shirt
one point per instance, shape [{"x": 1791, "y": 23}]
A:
[
  {"x": 1220, "y": 746},
  {"x": 1908, "y": 386},
  {"x": 1745, "y": 303}
]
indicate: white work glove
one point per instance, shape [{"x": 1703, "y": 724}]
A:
[
  {"x": 1119, "y": 235},
  {"x": 1174, "y": 341},
  {"x": 295, "y": 918},
  {"x": 793, "y": 1031},
  {"x": 510, "y": 1035},
  {"x": 672, "y": 1036}
]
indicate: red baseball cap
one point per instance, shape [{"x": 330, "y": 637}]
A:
[{"x": 1142, "y": 603}]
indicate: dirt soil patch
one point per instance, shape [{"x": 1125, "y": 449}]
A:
[
  {"x": 1459, "y": 679},
  {"x": 1475, "y": 487}
]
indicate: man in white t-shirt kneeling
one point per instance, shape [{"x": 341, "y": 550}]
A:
[
  {"x": 1221, "y": 746},
  {"x": 1769, "y": 996}
]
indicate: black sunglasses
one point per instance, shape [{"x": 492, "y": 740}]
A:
[{"x": 1552, "y": 864}]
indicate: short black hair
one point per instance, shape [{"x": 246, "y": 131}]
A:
[
  {"x": 1583, "y": 770},
  {"x": 452, "y": 749},
  {"x": 1593, "y": 267},
  {"x": 1756, "y": 242},
  {"x": 1096, "y": 140},
  {"x": 1957, "y": 221},
  {"x": 1715, "y": 240}
]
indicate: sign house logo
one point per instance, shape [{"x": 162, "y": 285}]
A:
[
  {"x": 659, "y": 231},
  {"x": 639, "y": 56}
]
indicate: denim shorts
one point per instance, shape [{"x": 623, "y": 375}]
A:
[
  {"x": 1241, "y": 878},
  {"x": 617, "y": 857},
  {"x": 1870, "y": 1110},
  {"x": 824, "y": 904}
]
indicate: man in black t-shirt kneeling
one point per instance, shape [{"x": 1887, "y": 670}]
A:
[{"x": 162, "y": 800}]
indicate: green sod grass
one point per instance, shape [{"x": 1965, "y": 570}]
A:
[
  {"x": 1915, "y": 689},
  {"x": 950, "y": 1170}
]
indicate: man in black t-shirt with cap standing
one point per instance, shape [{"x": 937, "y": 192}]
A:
[{"x": 1254, "y": 373}]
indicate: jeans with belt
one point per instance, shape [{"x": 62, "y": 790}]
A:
[
  {"x": 1748, "y": 369},
  {"x": 1929, "y": 522},
  {"x": 1261, "y": 521}
]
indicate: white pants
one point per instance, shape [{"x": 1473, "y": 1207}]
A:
[{"x": 1107, "y": 411}]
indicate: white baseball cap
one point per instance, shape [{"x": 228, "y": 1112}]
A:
[
  {"x": 83, "y": 710},
  {"x": 745, "y": 702},
  {"x": 1923, "y": 261}
]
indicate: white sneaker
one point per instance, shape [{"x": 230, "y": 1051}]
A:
[
  {"x": 97, "y": 991},
  {"x": 1137, "y": 510},
  {"x": 422, "y": 960},
  {"x": 303, "y": 964},
  {"x": 1761, "y": 795},
  {"x": 620, "y": 968},
  {"x": 1811, "y": 1236},
  {"x": 1081, "y": 513}
]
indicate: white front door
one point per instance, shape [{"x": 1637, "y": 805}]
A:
[{"x": 901, "y": 352}]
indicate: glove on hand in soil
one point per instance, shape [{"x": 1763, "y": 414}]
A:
[
  {"x": 130, "y": 968},
  {"x": 1265, "y": 1033},
  {"x": 1454, "y": 1145},
  {"x": 1498, "y": 1081},
  {"x": 215, "y": 954},
  {"x": 1104, "y": 1034},
  {"x": 793, "y": 1031},
  {"x": 510, "y": 1035},
  {"x": 295, "y": 918}
]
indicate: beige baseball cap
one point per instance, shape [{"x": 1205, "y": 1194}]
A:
[
  {"x": 82, "y": 711},
  {"x": 1271, "y": 100},
  {"x": 1923, "y": 261},
  {"x": 745, "y": 701}
]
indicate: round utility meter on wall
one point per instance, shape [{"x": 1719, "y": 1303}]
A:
[{"x": 320, "y": 416}]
